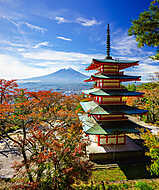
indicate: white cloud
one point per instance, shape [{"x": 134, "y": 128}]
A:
[
  {"x": 34, "y": 27},
  {"x": 41, "y": 44},
  {"x": 61, "y": 56},
  {"x": 19, "y": 24},
  {"x": 21, "y": 49},
  {"x": 11, "y": 43},
  {"x": 80, "y": 20},
  {"x": 60, "y": 20},
  {"x": 47, "y": 64},
  {"x": 125, "y": 45},
  {"x": 57, "y": 65},
  {"x": 10, "y": 20},
  {"x": 63, "y": 38},
  {"x": 14, "y": 47},
  {"x": 44, "y": 61},
  {"x": 30, "y": 60},
  {"x": 146, "y": 67},
  {"x": 87, "y": 22},
  {"x": 13, "y": 68}
]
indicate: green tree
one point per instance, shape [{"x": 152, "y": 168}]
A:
[
  {"x": 150, "y": 102},
  {"x": 146, "y": 28},
  {"x": 131, "y": 87},
  {"x": 152, "y": 143}
]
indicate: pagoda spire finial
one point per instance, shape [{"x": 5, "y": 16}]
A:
[{"x": 108, "y": 43}]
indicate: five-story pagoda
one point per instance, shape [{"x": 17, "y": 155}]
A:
[{"x": 105, "y": 120}]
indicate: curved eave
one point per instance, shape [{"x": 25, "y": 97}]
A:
[
  {"x": 100, "y": 92},
  {"x": 122, "y": 64},
  {"x": 91, "y": 127},
  {"x": 94, "y": 109},
  {"x": 118, "y": 95},
  {"x": 115, "y": 61},
  {"x": 90, "y": 91},
  {"x": 122, "y": 78},
  {"x": 89, "y": 80},
  {"x": 92, "y": 67}
]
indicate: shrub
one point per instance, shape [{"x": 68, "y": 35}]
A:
[{"x": 143, "y": 186}]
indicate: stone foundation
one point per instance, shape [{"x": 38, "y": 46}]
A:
[{"x": 112, "y": 153}]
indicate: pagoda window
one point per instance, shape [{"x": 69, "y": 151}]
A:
[
  {"x": 112, "y": 117},
  {"x": 111, "y": 84},
  {"x": 112, "y": 81},
  {"x": 105, "y": 116},
  {"x": 111, "y": 100},
  {"x": 95, "y": 138},
  {"x": 108, "y": 84},
  {"x": 121, "y": 139},
  {"x": 111, "y": 139},
  {"x": 102, "y": 141},
  {"x": 111, "y": 69},
  {"x": 111, "y": 66}
]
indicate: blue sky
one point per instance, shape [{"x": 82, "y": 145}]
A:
[{"x": 38, "y": 37}]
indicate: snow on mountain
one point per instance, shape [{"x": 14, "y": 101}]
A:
[{"x": 61, "y": 76}]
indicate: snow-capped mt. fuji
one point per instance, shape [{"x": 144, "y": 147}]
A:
[{"x": 61, "y": 76}]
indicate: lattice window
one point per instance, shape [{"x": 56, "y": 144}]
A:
[{"x": 111, "y": 139}]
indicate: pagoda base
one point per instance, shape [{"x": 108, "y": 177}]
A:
[{"x": 113, "y": 153}]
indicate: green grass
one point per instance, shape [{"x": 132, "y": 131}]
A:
[
  {"x": 115, "y": 178},
  {"x": 143, "y": 185},
  {"x": 136, "y": 185},
  {"x": 122, "y": 172},
  {"x": 114, "y": 174},
  {"x": 130, "y": 176}
]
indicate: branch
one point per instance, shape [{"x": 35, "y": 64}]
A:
[{"x": 12, "y": 138}]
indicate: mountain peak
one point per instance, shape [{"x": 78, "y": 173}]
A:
[
  {"x": 65, "y": 75},
  {"x": 70, "y": 68},
  {"x": 67, "y": 69}
]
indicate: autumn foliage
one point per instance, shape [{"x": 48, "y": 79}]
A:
[
  {"x": 152, "y": 143},
  {"x": 45, "y": 128},
  {"x": 149, "y": 101}
]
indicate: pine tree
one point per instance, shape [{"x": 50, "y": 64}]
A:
[{"x": 146, "y": 28}]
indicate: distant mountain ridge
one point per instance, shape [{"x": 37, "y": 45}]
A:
[{"x": 67, "y": 76}]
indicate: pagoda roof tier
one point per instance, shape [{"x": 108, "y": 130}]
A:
[
  {"x": 121, "y": 64},
  {"x": 122, "y": 78},
  {"x": 111, "y": 92},
  {"x": 92, "y": 127},
  {"x": 93, "y": 108}
]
